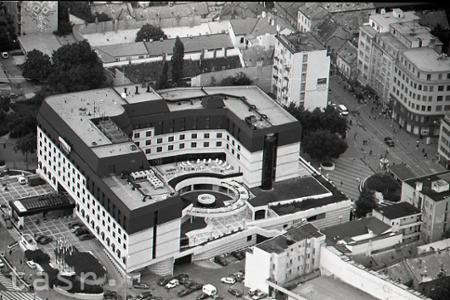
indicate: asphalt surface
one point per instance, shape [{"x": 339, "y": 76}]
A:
[{"x": 373, "y": 128}]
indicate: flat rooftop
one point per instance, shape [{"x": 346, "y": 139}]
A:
[
  {"x": 280, "y": 243},
  {"x": 426, "y": 185},
  {"x": 413, "y": 31},
  {"x": 388, "y": 18},
  {"x": 427, "y": 60},
  {"x": 44, "y": 42},
  {"x": 398, "y": 210},
  {"x": 329, "y": 288},
  {"x": 145, "y": 93},
  {"x": 300, "y": 41}
]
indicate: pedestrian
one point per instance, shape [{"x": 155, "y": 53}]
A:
[
  {"x": 423, "y": 150},
  {"x": 425, "y": 155},
  {"x": 342, "y": 182},
  {"x": 370, "y": 152}
]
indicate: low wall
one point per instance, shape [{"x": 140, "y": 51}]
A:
[
  {"x": 79, "y": 295},
  {"x": 377, "y": 285},
  {"x": 260, "y": 75}
]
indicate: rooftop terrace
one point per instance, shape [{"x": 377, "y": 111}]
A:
[
  {"x": 427, "y": 60},
  {"x": 300, "y": 41}
]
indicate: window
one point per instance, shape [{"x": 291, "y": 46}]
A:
[
  {"x": 159, "y": 149},
  {"x": 428, "y": 108},
  {"x": 205, "y": 144},
  {"x": 137, "y": 143},
  {"x": 249, "y": 238},
  {"x": 148, "y": 151},
  {"x": 159, "y": 140},
  {"x": 440, "y": 88},
  {"x": 170, "y": 147},
  {"x": 193, "y": 145},
  {"x": 219, "y": 135},
  {"x": 431, "y": 88},
  {"x": 218, "y": 144},
  {"x": 439, "y": 98},
  {"x": 428, "y": 76},
  {"x": 148, "y": 133},
  {"x": 170, "y": 139},
  {"x": 206, "y": 135},
  {"x": 148, "y": 142},
  {"x": 181, "y": 136},
  {"x": 438, "y": 107},
  {"x": 238, "y": 156},
  {"x": 448, "y": 87},
  {"x": 182, "y": 146},
  {"x": 194, "y": 135},
  {"x": 136, "y": 135}
]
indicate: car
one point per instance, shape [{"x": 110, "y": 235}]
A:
[
  {"x": 221, "y": 261},
  {"x": 144, "y": 295},
  {"x": 156, "y": 298},
  {"x": 343, "y": 111},
  {"x": 44, "y": 239},
  {"x": 259, "y": 295},
  {"x": 2, "y": 264},
  {"x": 195, "y": 286},
  {"x": 81, "y": 231},
  {"x": 75, "y": 224},
  {"x": 164, "y": 280},
  {"x": 5, "y": 55},
  {"x": 389, "y": 141},
  {"x": 228, "y": 280},
  {"x": 173, "y": 283},
  {"x": 86, "y": 237},
  {"x": 240, "y": 255},
  {"x": 184, "y": 292},
  {"x": 202, "y": 296},
  {"x": 22, "y": 180},
  {"x": 235, "y": 292},
  {"x": 31, "y": 264},
  {"x": 142, "y": 286},
  {"x": 253, "y": 292},
  {"x": 75, "y": 228}
]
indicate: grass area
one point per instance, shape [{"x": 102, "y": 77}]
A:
[
  {"x": 149, "y": 72},
  {"x": 84, "y": 262}
]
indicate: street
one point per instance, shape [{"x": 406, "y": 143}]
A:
[{"x": 373, "y": 128}]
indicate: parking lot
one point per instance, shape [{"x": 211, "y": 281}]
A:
[{"x": 16, "y": 191}]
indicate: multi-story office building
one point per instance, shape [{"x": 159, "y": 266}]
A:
[
  {"x": 380, "y": 42},
  {"x": 284, "y": 257},
  {"x": 444, "y": 142},
  {"x": 141, "y": 165},
  {"x": 402, "y": 217},
  {"x": 300, "y": 71},
  {"x": 430, "y": 194},
  {"x": 421, "y": 90}
]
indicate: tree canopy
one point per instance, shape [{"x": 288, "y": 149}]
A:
[
  {"x": 177, "y": 61},
  {"x": 365, "y": 203},
  {"x": 323, "y": 145},
  {"x": 149, "y": 32},
  {"x": 7, "y": 29},
  {"x": 238, "y": 79},
  {"x": 385, "y": 184},
  {"x": 163, "y": 80},
  {"x": 37, "y": 66},
  {"x": 76, "y": 67}
]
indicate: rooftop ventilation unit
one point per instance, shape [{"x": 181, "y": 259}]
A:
[{"x": 440, "y": 186}]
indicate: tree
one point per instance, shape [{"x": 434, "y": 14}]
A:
[
  {"x": 365, "y": 203},
  {"x": 4, "y": 104},
  {"x": 323, "y": 145},
  {"x": 444, "y": 36},
  {"x": 149, "y": 32},
  {"x": 26, "y": 145},
  {"x": 238, "y": 79},
  {"x": 76, "y": 67},
  {"x": 162, "y": 80},
  {"x": 177, "y": 61},
  {"x": 37, "y": 66},
  {"x": 7, "y": 29}
]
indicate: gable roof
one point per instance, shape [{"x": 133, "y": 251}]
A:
[
  {"x": 313, "y": 11},
  {"x": 125, "y": 49},
  {"x": 348, "y": 52},
  {"x": 355, "y": 228},
  {"x": 243, "y": 26}
]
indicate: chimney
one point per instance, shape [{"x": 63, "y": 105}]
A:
[
  {"x": 419, "y": 185},
  {"x": 263, "y": 14},
  {"x": 383, "y": 11},
  {"x": 137, "y": 90},
  {"x": 125, "y": 90}
]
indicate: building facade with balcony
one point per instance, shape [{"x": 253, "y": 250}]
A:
[
  {"x": 402, "y": 217},
  {"x": 420, "y": 90},
  {"x": 444, "y": 142},
  {"x": 284, "y": 257},
  {"x": 300, "y": 71},
  {"x": 430, "y": 194}
]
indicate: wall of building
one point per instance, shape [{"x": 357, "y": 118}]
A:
[
  {"x": 444, "y": 143},
  {"x": 332, "y": 263},
  {"x": 260, "y": 76},
  {"x": 376, "y": 244},
  {"x": 317, "y": 94},
  {"x": 257, "y": 269}
]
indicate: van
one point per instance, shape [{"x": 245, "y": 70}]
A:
[
  {"x": 343, "y": 111},
  {"x": 209, "y": 290}
]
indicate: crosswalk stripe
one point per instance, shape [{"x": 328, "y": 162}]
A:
[
  {"x": 9, "y": 295},
  {"x": 7, "y": 283}
]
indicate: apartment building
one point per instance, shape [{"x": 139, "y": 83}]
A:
[
  {"x": 380, "y": 42},
  {"x": 431, "y": 195},
  {"x": 402, "y": 217},
  {"x": 444, "y": 142},
  {"x": 420, "y": 90},
  {"x": 346, "y": 61},
  {"x": 310, "y": 15},
  {"x": 300, "y": 71},
  {"x": 284, "y": 257}
]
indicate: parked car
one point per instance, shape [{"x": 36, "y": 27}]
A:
[
  {"x": 228, "y": 280},
  {"x": 86, "y": 237},
  {"x": 389, "y": 141},
  {"x": 22, "y": 180},
  {"x": 44, "y": 239},
  {"x": 142, "y": 286},
  {"x": 182, "y": 277},
  {"x": 253, "y": 292},
  {"x": 164, "y": 280},
  {"x": 184, "y": 292},
  {"x": 221, "y": 261},
  {"x": 240, "y": 255},
  {"x": 259, "y": 295},
  {"x": 81, "y": 231},
  {"x": 239, "y": 276},
  {"x": 2, "y": 264},
  {"x": 343, "y": 111},
  {"x": 235, "y": 292},
  {"x": 173, "y": 283},
  {"x": 5, "y": 55},
  {"x": 195, "y": 286},
  {"x": 75, "y": 228},
  {"x": 144, "y": 295},
  {"x": 202, "y": 296},
  {"x": 75, "y": 224},
  {"x": 31, "y": 264}
]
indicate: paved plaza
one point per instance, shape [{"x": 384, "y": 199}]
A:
[{"x": 16, "y": 191}]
